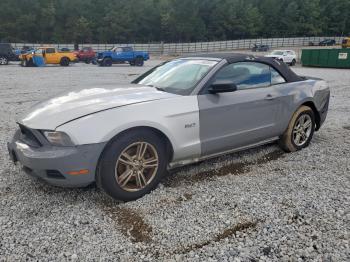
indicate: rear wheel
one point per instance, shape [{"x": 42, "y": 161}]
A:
[
  {"x": 293, "y": 62},
  {"x": 139, "y": 61},
  {"x": 64, "y": 61},
  {"x": 132, "y": 165},
  {"x": 3, "y": 60},
  {"x": 300, "y": 130}
]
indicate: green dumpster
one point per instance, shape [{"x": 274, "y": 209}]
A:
[{"x": 333, "y": 58}]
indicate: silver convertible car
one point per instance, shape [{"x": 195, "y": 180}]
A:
[{"x": 183, "y": 111}]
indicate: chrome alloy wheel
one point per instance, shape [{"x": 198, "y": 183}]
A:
[
  {"x": 302, "y": 130},
  {"x": 136, "y": 166}
]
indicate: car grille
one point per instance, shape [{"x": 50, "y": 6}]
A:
[{"x": 28, "y": 137}]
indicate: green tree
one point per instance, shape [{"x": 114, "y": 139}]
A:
[{"x": 112, "y": 21}]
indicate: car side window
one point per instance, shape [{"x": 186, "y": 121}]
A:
[
  {"x": 50, "y": 50},
  {"x": 246, "y": 75},
  {"x": 276, "y": 77},
  {"x": 127, "y": 49}
]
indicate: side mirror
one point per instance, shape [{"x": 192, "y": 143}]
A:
[{"x": 222, "y": 86}]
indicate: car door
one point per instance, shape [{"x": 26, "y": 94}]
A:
[
  {"x": 84, "y": 53},
  {"x": 117, "y": 54},
  {"x": 50, "y": 56},
  {"x": 289, "y": 57},
  {"x": 128, "y": 53},
  {"x": 244, "y": 117}
]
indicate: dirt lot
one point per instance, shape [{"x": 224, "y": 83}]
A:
[{"x": 260, "y": 204}]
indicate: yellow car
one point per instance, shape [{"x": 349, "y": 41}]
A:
[
  {"x": 50, "y": 56},
  {"x": 346, "y": 42}
]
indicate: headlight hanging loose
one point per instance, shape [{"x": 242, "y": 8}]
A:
[{"x": 57, "y": 138}]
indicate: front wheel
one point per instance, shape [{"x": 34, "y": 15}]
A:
[
  {"x": 3, "y": 60},
  {"x": 107, "y": 62},
  {"x": 132, "y": 165},
  {"x": 293, "y": 62},
  {"x": 300, "y": 130}
]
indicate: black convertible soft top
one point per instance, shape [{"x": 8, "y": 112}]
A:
[{"x": 281, "y": 67}]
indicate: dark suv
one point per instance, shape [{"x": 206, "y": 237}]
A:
[
  {"x": 328, "y": 42},
  {"x": 7, "y": 54}
]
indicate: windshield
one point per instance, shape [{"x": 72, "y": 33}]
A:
[
  {"x": 277, "y": 53},
  {"x": 178, "y": 76},
  {"x": 39, "y": 51}
]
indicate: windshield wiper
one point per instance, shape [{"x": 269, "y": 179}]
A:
[{"x": 158, "y": 88}]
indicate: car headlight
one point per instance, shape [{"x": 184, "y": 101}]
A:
[{"x": 57, "y": 138}]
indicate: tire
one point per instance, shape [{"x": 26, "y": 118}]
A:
[
  {"x": 293, "y": 62},
  {"x": 111, "y": 161},
  {"x": 29, "y": 63},
  {"x": 4, "y": 60},
  {"x": 132, "y": 63},
  {"x": 87, "y": 61},
  {"x": 64, "y": 61},
  {"x": 107, "y": 62},
  {"x": 289, "y": 140},
  {"x": 139, "y": 61}
]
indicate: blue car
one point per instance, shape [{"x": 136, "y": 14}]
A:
[{"x": 120, "y": 55}]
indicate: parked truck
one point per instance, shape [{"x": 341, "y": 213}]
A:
[
  {"x": 87, "y": 55},
  {"x": 120, "y": 55},
  {"x": 50, "y": 55}
]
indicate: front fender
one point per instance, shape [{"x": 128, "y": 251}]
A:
[{"x": 179, "y": 123}]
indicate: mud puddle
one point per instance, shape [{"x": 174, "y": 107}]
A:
[
  {"x": 130, "y": 223},
  {"x": 236, "y": 168}
]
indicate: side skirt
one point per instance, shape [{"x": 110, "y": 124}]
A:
[{"x": 199, "y": 159}]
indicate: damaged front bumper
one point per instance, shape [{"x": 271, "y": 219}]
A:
[{"x": 58, "y": 166}]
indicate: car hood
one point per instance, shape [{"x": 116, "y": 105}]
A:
[
  {"x": 274, "y": 56},
  {"x": 74, "y": 104}
]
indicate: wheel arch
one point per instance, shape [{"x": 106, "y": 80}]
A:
[
  {"x": 161, "y": 134},
  {"x": 310, "y": 104},
  {"x": 316, "y": 113}
]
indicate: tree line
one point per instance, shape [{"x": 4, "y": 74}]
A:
[{"x": 129, "y": 21}]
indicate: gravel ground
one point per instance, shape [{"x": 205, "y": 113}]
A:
[{"x": 260, "y": 204}]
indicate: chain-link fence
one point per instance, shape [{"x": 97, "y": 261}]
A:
[{"x": 200, "y": 47}]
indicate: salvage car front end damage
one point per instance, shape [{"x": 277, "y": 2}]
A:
[
  {"x": 68, "y": 166},
  {"x": 183, "y": 111}
]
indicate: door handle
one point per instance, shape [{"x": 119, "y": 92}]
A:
[{"x": 270, "y": 97}]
